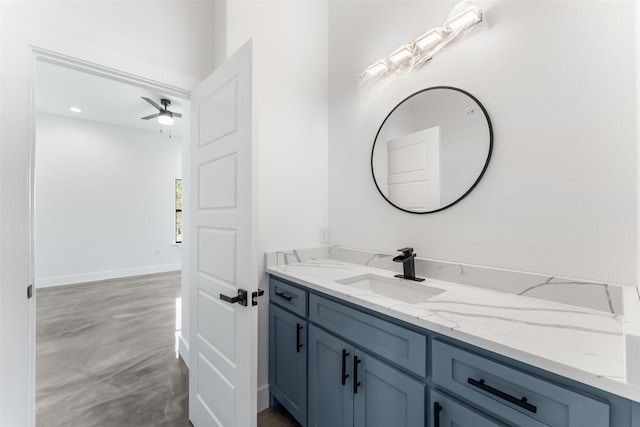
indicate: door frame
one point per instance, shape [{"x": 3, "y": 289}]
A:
[{"x": 75, "y": 62}]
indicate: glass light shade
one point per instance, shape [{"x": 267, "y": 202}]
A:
[
  {"x": 75, "y": 110},
  {"x": 377, "y": 69},
  {"x": 429, "y": 39},
  {"x": 465, "y": 20},
  {"x": 401, "y": 55},
  {"x": 165, "y": 118}
]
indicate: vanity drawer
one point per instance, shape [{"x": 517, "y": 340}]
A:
[
  {"x": 521, "y": 398},
  {"x": 290, "y": 297},
  {"x": 401, "y": 346}
]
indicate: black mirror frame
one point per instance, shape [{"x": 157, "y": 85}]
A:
[{"x": 486, "y": 163}]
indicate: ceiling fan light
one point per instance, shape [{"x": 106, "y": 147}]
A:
[{"x": 165, "y": 118}]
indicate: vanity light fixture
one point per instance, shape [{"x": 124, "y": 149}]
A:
[
  {"x": 422, "y": 49},
  {"x": 75, "y": 109}
]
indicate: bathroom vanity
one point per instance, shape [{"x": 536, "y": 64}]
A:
[{"x": 351, "y": 345}]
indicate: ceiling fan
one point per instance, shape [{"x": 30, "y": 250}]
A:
[{"x": 165, "y": 116}]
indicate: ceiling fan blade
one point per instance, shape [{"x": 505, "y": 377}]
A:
[
  {"x": 153, "y": 103},
  {"x": 153, "y": 116},
  {"x": 178, "y": 115}
]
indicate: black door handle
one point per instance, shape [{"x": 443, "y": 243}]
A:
[
  {"x": 298, "y": 344},
  {"x": 502, "y": 395},
  {"x": 240, "y": 298},
  {"x": 436, "y": 414},
  {"x": 356, "y": 362},
  {"x": 284, "y": 296},
  {"x": 345, "y": 353}
]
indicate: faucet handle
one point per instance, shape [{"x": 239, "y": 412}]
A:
[{"x": 406, "y": 251}]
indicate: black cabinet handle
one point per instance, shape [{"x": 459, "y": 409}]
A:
[
  {"x": 298, "y": 344},
  {"x": 502, "y": 395},
  {"x": 356, "y": 362},
  {"x": 284, "y": 296},
  {"x": 345, "y": 353},
  {"x": 436, "y": 414}
]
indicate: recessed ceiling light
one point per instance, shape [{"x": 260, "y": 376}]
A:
[{"x": 75, "y": 110}]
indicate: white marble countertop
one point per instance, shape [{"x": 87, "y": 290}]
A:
[{"x": 581, "y": 344}]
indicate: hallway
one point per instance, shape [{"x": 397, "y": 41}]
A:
[{"x": 106, "y": 354}]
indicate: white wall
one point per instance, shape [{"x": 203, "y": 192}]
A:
[
  {"x": 557, "y": 78},
  {"x": 120, "y": 38},
  {"x": 104, "y": 201},
  {"x": 290, "y": 104}
]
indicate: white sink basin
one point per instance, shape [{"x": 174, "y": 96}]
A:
[{"x": 394, "y": 288}]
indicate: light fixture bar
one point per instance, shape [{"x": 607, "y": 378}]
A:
[
  {"x": 74, "y": 109},
  {"x": 416, "y": 53}
]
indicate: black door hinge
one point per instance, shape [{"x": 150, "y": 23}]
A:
[
  {"x": 255, "y": 295},
  {"x": 29, "y": 291}
]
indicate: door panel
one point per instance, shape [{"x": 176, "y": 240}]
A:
[
  {"x": 330, "y": 402},
  {"x": 414, "y": 170},
  {"x": 288, "y": 361},
  {"x": 223, "y": 347},
  {"x": 386, "y": 396}
]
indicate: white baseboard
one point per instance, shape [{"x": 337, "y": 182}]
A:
[
  {"x": 183, "y": 349},
  {"x": 104, "y": 275},
  {"x": 263, "y": 397}
]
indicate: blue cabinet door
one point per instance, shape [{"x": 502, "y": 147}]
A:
[
  {"x": 447, "y": 412},
  {"x": 330, "y": 386},
  {"x": 288, "y": 361},
  {"x": 385, "y": 396}
]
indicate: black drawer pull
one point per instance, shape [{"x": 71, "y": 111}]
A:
[
  {"x": 284, "y": 296},
  {"x": 298, "y": 344},
  {"x": 356, "y": 362},
  {"x": 502, "y": 395},
  {"x": 436, "y": 414},
  {"x": 345, "y": 353}
]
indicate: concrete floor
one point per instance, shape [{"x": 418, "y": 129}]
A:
[{"x": 105, "y": 356}]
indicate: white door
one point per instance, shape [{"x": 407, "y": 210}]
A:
[
  {"x": 223, "y": 335},
  {"x": 414, "y": 170}
]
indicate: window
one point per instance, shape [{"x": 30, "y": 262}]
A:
[{"x": 178, "y": 211}]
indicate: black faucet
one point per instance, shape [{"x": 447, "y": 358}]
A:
[{"x": 408, "y": 265}]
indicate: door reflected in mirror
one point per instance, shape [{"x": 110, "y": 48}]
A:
[{"x": 431, "y": 150}]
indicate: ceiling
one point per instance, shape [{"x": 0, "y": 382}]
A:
[{"x": 102, "y": 100}]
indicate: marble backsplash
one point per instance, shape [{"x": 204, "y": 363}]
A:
[{"x": 593, "y": 295}]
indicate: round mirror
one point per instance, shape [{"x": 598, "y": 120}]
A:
[{"x": 431, "y": 150}]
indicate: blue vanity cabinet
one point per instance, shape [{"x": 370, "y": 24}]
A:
[
  {"x": 348, "y": 387},
  {"x": 412, "y": 377},
  {"x": 288, "y": 361},
  {"x": 448, "y": 412}
]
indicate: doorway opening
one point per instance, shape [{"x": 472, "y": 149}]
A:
[{"x": 107, "y": 260}]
